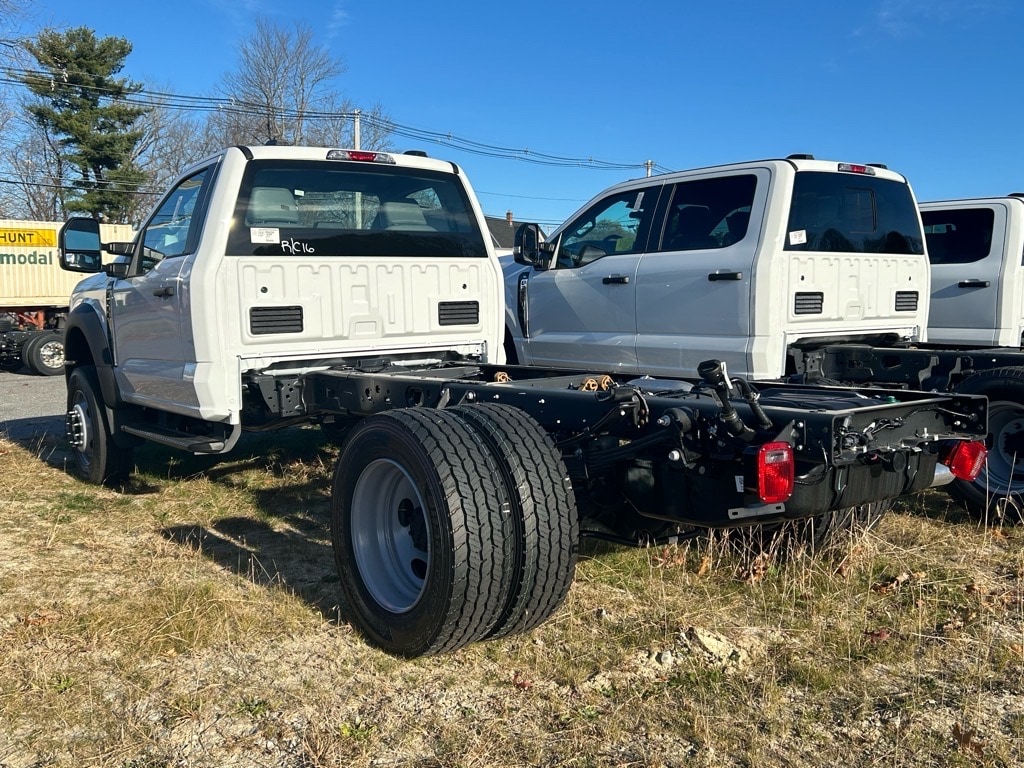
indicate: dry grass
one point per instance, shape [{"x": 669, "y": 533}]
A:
[{"x": 192, "y": 621}]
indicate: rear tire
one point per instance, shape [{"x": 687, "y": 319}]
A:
[
  {"x": 336, "y": 431},
  {"x": 43, "y": 353},
  {"x": 543, "y": 512},
  {"x": 998, "y": 491},
  {"x": 421, "y": 531},
  {"x": 99, "y": 460}
]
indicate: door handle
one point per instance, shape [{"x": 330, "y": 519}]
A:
[
  {"x": 615, "y": 280},
  {"x": 725, "y": 275},
  {"x": 164, "y": 292},
  {"x": 975, "y": 283}
]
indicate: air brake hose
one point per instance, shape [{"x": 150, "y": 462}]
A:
[
  {"x": 716, "y": 375},
  {"x": 751, "y": 396}
]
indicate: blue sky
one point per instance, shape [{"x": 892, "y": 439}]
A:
[{"x": 920, "y": 85}]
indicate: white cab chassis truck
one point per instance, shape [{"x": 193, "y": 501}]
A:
[
  {"x": 793, "y": 269},
  {"x": 274, "y": 286}
]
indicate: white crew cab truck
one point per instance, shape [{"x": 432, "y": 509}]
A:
[
  {"x": 741, "y": 262},
  {"x": 976, "y": 251},
  {"x": 274, "y": 286},
  {"x": 782, "y": 268}
]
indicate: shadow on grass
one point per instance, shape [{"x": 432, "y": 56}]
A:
[
  {"x": 287, "y": 544},
  {"x": 938, "y": 505}
]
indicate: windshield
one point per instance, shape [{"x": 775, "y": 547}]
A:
[
  {"x": 844, "y": 212},
  {"x": 329, "y": 208}
]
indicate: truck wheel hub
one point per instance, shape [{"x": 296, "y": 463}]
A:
[
  {"x": 52, "y": 354},
  {"x": 77, "y": 427}
]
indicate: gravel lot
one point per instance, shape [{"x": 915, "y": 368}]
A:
[{"x": 31, "y": 406}]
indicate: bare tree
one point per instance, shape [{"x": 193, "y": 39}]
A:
[
  {"x": 283, "y": 90},
  {"x": 33, "y": 168}
]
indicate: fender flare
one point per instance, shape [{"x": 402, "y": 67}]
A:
[{"x": 85, "y": 320}]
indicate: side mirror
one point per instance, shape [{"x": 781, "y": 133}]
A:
[
  {"x": 527, "y": 245},
  {"x": 79, "y": 245}
]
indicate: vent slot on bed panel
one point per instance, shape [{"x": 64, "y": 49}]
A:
[
  {"x": 266, "y": 320},
  {"x": 458, "y": 312},
  {"x": 906, "y": 301},
  {"x": 808, "y": 303}
]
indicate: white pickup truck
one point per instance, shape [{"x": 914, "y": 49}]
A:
[
  {"x": 976, "y": 250},
  {"x": 792, "y": 268},
  {"x": 276, "y": 286}
]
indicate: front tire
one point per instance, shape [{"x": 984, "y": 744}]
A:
[
  {"x": 998, "y": 491},
  {"x": 99, "y": 459},
  {"x": 421, "y": 531}
]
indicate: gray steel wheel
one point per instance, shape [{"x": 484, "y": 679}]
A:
[
  {"x": 422, "y": 532},
  {"x": 1003, "y": 473},
  {"x": 390, "y": 535},
  {"x": 998, "y": 491}
]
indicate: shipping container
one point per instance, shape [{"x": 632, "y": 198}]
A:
[
  {"x": 34, "y": 293},
  {"x": 30, "y": 275}
]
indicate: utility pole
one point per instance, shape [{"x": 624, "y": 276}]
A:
[
  {"x": 355, "y": 130},
  {"x": 650, "y": 167}
]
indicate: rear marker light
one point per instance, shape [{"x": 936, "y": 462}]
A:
[
  {"x": 775, "y": 472},
  {"x": 867, "y": 170},
  {"x": 360, "y": 156},
  {"x": 965, "y": 459}
]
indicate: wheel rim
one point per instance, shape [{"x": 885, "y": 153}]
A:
[
  {"x": 81, "y": 417},
  {"x": 1003, "y": 473},
  {"x": 51, "y": 355},
  {"x": 390, "y": 535}
]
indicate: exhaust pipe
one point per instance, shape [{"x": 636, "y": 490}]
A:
[{"x": 943, "y": 475}]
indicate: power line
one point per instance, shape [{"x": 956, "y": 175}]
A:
[{"x": 158, "y": 99}]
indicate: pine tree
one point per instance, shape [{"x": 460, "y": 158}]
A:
[{"x": 83, "y": 106}]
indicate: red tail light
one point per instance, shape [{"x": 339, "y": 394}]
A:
[
  {"x": 775, "y": 472},
  {"x": 363, "y": 157},
  {"x": 965, "y": 459}
]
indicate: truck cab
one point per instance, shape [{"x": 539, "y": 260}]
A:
[
  {"x": 267, "y": 259},
  {"x": 744, "y": 262},
  {"x": 976, "y": 249}
]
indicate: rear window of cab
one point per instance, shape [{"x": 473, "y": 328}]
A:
[
  {"x": 852, "y": 213},
  {"x": 329, "y": 208}
]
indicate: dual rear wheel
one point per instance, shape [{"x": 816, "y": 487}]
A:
[{"x": 451, "y": 526}]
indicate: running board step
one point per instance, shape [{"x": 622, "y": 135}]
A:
[{"x": 180, "y": 440}]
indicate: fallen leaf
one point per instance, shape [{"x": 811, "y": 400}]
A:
[
  {"x": 951, "y": 624},
  {"x": 966, "y": 741},
  {"x": 878, "y": 635},
  {"x": 670, "y": 557},
  {"x": 757, "y": 569},
  {"x": 891, "y": 585},
  {"x": 705, "y": 565},
  {"x": 43, "y": 616},
  {"x": 521, "y": 682}
]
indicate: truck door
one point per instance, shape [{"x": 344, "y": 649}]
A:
[
  {"x": 581, "y": 312},
  {"x": 965, "y": 248},
  {"x": 149, "y": 320},
  {"x": 693, "y": 286}
]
